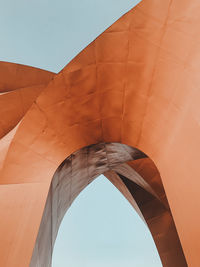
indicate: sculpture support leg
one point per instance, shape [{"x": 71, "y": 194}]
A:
[{"x": 21, "y": 208}]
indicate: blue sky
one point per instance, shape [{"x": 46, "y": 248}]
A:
[
  {"x": 100, "y": 229},
  {"x": 49, "y": 33}
]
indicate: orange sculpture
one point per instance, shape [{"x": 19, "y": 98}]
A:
[{"x": 126, "y": 106}]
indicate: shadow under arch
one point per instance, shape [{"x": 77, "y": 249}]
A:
[{"x": 134, "y": 174}]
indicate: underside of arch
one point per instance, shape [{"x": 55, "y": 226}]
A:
[{"x": 80, "y": 169}]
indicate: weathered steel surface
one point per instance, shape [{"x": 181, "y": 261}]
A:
[{"x": 136, "y": 84}]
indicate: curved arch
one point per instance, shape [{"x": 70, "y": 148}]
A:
[
  {"x": 128, "y": 87},
  {"x": 80, "y": 169}
]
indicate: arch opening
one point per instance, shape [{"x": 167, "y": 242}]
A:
[
  {"x": 102, "y": 229},
  {"x": 133, "y": 173}
]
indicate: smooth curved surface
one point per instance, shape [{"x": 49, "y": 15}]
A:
[
  {"x": 136, "y": 84},
  {"x": 15, "y": 76}
]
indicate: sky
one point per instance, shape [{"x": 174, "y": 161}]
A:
[
  {"x": 49, "y": 33},
  {"x": 101, "y": 228}
]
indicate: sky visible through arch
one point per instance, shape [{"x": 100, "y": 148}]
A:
[{"x": 101, "y": 228}]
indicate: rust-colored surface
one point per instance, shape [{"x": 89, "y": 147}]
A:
[
  {"x": 160, "y": 223},
  {"x": 136, "y": 84},
  {"x": 15, "y": 76}
]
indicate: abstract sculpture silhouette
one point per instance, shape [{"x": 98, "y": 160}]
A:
[{"x": 126, "y": 106}]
